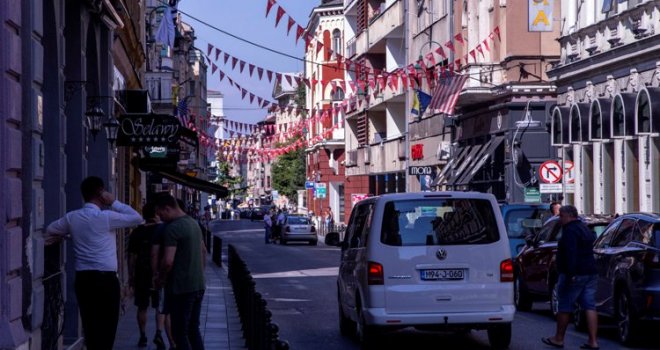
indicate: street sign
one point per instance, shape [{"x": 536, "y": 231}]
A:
[
  {"x": 309, "y": 185},
  {"x": 550, "y": 172},
  {"x": 420, "y": 170},
  {"x": 532, "y": 195},
  {"x": 551, "y": 188},
  {"x": 321, "y": 190},
  {"x": 569, "y": 174}
]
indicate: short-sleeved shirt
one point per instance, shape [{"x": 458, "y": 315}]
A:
[
  {"x": 187, "y": 274},
  {"x": 139, "y": 243}
]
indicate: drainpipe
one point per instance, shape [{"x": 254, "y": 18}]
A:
[{"x": 406, "y": 43}]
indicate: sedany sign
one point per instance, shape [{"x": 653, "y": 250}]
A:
[{"x": 148, "y": 130}]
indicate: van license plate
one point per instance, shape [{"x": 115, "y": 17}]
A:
[{"x": 443, "y": 275}]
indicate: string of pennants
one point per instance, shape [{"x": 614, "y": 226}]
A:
[
  {"x": 407, "y": 76},
  {"x": 312, "y": 42}
]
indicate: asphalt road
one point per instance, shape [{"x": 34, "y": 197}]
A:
[{"x": 299, "y": 283}]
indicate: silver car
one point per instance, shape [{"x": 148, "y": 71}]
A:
[{"x": 298, "y": 228}]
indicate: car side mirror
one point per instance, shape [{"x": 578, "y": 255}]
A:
[{"x": 332, "y": 239}]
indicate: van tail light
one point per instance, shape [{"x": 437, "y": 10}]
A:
[
  {"x": 375, "y": 275},
  {"x": 506, "y": 271}
]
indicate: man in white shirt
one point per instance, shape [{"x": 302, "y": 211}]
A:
[{"x": 92, "y": 231}]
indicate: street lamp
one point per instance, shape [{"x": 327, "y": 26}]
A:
[
  {"x": 111, "y": 129},
  {"x": 94, "y": 119}
]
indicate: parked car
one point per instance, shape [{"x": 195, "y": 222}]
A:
[
  {"x": 628, "y": 261},
  {"x": 257, "y": 214},
  {"x": 535, "y": 267},
  {"x": 515, "y": 216},
  {"x": 427, "y": 260},
  {"x": 298, "y": 228}
]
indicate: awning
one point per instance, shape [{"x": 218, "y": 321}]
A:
[
  {"x": 480, "y": 160},
  {"x": 465, "y": 163},
  {"x": 195, "y": 183},
  {"x": 446, "y": 173}
]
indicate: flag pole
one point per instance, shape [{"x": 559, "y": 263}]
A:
[{"x": 406, "y": 38}]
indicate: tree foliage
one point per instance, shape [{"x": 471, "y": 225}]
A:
[
  {"x": 289, "y": 173},
  {"x": 225, "y": 179}
]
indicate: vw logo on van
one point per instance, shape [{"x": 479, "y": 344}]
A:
[{"x": 441, "y": 254}]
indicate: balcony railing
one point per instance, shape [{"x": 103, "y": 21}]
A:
[{"x": 387, "y": 21}]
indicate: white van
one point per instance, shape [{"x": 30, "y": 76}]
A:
[{"x": 431, "y": 260}]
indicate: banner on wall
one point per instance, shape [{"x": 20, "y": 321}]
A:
[{"x": 540, "y": 15}]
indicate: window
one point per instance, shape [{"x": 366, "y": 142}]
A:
[
  {"x": 625, "y": 233},
  {"x": 514, "y": 221},
  {"x": 604, "y": 240},
  {"x": 297, "y": 220},
  {"x": 360, "y": 225},
  {"x": 439, "y": 222},
  {"x": 547, "y": 232},
  {"x": 336, "y": 42},
  {"x": 338, "y": 95}
]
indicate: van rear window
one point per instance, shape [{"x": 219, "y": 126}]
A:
[{"x": 439, "y": 222}]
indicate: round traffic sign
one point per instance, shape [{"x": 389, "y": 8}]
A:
[
  {"x": 550, "y": 172},
  {"x": 569, "y": 174}
]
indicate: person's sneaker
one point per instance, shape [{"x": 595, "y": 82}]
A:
[
  {"x": 160, "y": 343},
  {"x": 142, "y": 343}
]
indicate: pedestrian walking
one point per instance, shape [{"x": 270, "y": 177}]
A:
[
  {"x": 329, "y": 220},
  {"x": 268, "y": 226},
  {"x": 92, "y": 231},
  {"x": 141, "y": 275},
  {"x": 578, "y": 279},
  {"x": 182, "y": 269},
  {"x": 554, "y": 211}
]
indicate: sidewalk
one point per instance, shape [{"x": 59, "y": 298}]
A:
[{"x": 220, "y": 325}]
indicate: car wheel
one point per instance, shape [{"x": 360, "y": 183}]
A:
[
  {"x": 346, "y": 325},
  {"x": 365, "y": 334},
  {"x": 500, "y": 336},
  {"x": 520, "y": 295},
  {"x": 554, "y": 300},
  {"x": 627, "y": 326}
]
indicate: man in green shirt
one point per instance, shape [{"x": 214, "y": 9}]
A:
[{"x": 182, "y": 271}]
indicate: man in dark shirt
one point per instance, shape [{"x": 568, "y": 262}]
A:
[
  {"x": 141, "y": 275},
  {"x": 578, "y": 277},
  {"x": 182, "y": 269}
]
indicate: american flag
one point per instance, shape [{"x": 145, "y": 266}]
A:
[
  {"x": 446, "y": 93},
  {"x": 182, "y": 111}
]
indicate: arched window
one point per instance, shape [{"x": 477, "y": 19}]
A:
[
  {"x": 336, "y": 42},
  {"x": 596, "y": 122},
  {"x": 618, "y": 118},
  {"x": 556, "y": 127},
  {"x": 338, "y": 95},
  {"x": 643, "y": 112},
  {"x": 576, "y": 126}
]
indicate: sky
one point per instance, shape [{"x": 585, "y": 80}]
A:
[{"x": 246, "y": 19}]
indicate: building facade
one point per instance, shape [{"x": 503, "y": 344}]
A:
[
  {"x": 64, "y": 61},
  {"x": 499, "y": 137},
  {"x": 606, "y": 123},
  {"x": 325, "y": 158}
]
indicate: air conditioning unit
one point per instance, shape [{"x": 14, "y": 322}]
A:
[{"x": 351, "y": 159}]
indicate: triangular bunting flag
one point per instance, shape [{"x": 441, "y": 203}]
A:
[
  {"x": 217, "y": 53},
  {"x": 269, "y": 6},
  {"x": 497, "y": 31},
  {"x": 473, "y": 53},
  {"x": 226, "y": 57},
  {"x": 486, "y": 45},
  {"x": 222, "y": 75},
  {"x": 440, "y": 51},
  {"x": 290, "y": 25},
  {"x": 269, "y": 74},
  {"x": 209, "y": 49},
  {"x": 299, "y": 32},
  {"x": 213, "y": 68},
  {"x": 234, "y": 60},
  {"x": 430, "y": 58},
  {"x": 459, "y": 38},
  {"x": 481, "y": 51},
  {"x": 260, "y": 72},
  {"x": 278, "y": 77},
  {"x": 319, "y": 46},
  {"x": 450, "y": 46},
  {"x": 251, "y": 97},
  {"x": 251, "y": 69},
  {"x": 242, "y": 65},
  {"x": 280, "y": 13}
]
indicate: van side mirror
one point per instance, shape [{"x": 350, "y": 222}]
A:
[{"x": 332, "y": 239}]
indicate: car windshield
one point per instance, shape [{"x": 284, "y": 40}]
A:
[
  {"x": 514, "y": 221},
  {"x": 439, "y": 222},
  {"x": 297, "y": 220}
]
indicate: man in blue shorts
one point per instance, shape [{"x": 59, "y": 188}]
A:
[{"x": 578, "y": 277}]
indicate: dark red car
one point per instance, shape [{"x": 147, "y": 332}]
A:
[{"x": 535, "y": 268}]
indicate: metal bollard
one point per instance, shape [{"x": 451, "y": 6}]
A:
[{"x": 217, "y": 250}]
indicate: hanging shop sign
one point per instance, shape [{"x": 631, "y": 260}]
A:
[
  {"x": 540, "y": 15},
  {"x": 148, "y": 130},
  {"x": 420, "y": 170}
]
